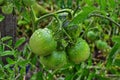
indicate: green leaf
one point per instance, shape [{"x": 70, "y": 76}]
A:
[
  {"x": 111, "y": 55},
  {"x": 22, "y": 22},
  {"x": 6, "y": 53},
  {"x": 6, "y": 38},
  {"x": 37, "y": 76},
  {"x": 116, "y": 39},
  {"x": 1, "y": 18},
  {"x": 89, "y": 2},
  {"x": 25, "y": 50},
  {"x": 2, "y": 75},
  {"x": 26, "y": 16},
  {"x": 19, "y": 42},
  {"x": 82, "y": 15},
  {"x": 23, "y": 62},
  {"x": 10, "y": 61},
  {"x": 7, "y": 8}
]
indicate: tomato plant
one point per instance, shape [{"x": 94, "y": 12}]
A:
[{"x": 62, "y": 40}]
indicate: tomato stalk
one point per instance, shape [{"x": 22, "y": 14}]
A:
[
  {"x": 87, "y": 29},
  {"x": 34, "y": 19},
  {"x": 101, "y": 16},
  {"x": 53, "y": 14},
  {"x": 61, "y": 28},
  {"x": 37, "y": 20}
]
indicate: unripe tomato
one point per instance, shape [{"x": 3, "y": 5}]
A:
[
  {"x": 79, "y": 52},
  {"x": 55, "y": 60},
  {"x": 42, "y": 42},
  {"x": 91, "y": 35},
  {"x": 101, "y": 45}
]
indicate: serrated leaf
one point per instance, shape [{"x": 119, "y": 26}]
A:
[
  {"x": 82, "y": 15},
  {"x": 19, "y": 42}
]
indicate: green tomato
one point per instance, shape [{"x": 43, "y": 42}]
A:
[
  {"x": 101, "y": 45},
  {"x": 7, "y": 9},
  {"x": 42, "y": 42},
  {"x": 79, "y": 52},
  {"x": 91, "y": 35},
  {"x": 55, "y": 60}
]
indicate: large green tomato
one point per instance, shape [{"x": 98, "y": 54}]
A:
[
  {"x": 55, "y": 60},
  {"x": 42, "y": 42},
  {"x": 79, "y": 52}
]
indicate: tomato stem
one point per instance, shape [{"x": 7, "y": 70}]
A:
[
  {"x": 53, "y": 14},
  {"x": 61, "y": 28},
  {"x": 87, "y": 29},
  {"x": 101, "y": 16},
  {"x": 34, "y": 19}
]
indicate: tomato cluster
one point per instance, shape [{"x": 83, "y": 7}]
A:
[
  {"x": 43, "y": 44},
  {"x": 99, "y": 43}
]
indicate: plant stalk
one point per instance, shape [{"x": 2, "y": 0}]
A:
[{"x": 101, "y": 16}]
